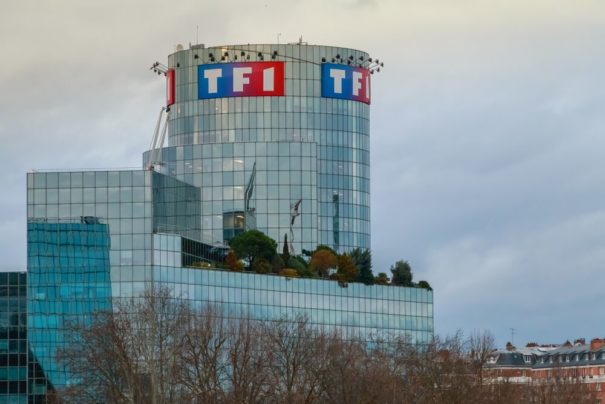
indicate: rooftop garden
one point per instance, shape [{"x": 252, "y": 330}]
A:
[{"x": 253, "y": 251}]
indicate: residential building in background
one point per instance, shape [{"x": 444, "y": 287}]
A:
[
  {"x": 267, "y": 137},
  {"x": 546, "y": 364}
]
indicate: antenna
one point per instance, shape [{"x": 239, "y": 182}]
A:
[
  {"x": 157, "y": 141},
  {"x": 512, "y": 335},
  {"x": 197, "y": 35}
]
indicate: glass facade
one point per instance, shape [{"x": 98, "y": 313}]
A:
[
  {"x": 133, "y": 205},
  {"x": 13, "y": 338},
  {"x": 68, "y": 267},
  {"x": 89, "y": 238},
  {"x": 355, "y": 309},
  {"x": 300, "y": 147},
  {"x": 21, "y": 377},
  {"x": 103, "y": 235}
]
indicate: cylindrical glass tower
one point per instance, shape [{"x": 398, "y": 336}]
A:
[{"x": 277, "y": 138}]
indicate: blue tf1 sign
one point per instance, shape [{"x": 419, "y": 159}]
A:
[{"x": 346, "y": 82}]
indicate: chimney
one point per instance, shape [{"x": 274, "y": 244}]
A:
[
  {"x": 567, "y": 344},
  {"x": 596, "y": 343},
  {"x": 580, "y": 341},
  {"x": 510, "y": 347}
]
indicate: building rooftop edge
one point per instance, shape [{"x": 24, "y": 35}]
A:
[
  {"x": 75, "y": 170},
  {"x": 194, "y": 47}
]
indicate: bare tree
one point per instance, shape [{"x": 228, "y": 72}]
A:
[
  {"x": 160, "y": 325},
  {"x": 560, "y": 389},
  {"x": 157, "y": 349},
  {"x": 248, "y": 360},
  {"x": 296, "y": 366},
  {"x": 480, "y": 346},
  {"x": 359, "y": 374},
  {"x": 128, "y": 355},
  {"x": 204, "y": 359},
  {"x": 98, "y": 358}
]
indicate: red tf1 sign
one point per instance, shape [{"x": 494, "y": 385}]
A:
[{"x": 170, "y": 87}]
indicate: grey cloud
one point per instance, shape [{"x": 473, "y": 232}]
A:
[{"x": 523, "y": 280}]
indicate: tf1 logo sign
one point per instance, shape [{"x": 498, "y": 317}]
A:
[
  {"x": 248, "y": 79},
  {"x": 347, "y": 82}
]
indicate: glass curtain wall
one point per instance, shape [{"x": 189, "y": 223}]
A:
[
  {"x": 300, "y": 146},
  {"x": 13, "y": 338},
  {"x": 356, "y": 310},
  {"x": 90, "y": 239}
]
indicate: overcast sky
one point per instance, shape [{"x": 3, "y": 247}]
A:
[{"x": 488, "y": 143}]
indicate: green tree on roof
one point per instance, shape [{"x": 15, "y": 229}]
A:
[
  {"x": 253, "y": 245},
  {"x": 363, "y": 261},
  {"x": 402, "y": 273}
]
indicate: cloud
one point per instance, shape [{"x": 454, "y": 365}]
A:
[{"x": 524, "y": 282}]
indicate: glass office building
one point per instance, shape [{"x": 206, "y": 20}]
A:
[
  {"x": 132, "y": 205},
  {"x": 90, "y": 239},
  {"x": 13, "y": 338},
  {"x": 296, "y": 148},
  {"x": 291, "y": 156},
  {"x": 98, "y": 236},
  {"x": 21, "y": 377}
]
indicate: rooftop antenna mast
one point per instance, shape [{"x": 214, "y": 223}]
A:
[
  {"x": 157, "y": 141},
  {"x": 159, "y": 136}
]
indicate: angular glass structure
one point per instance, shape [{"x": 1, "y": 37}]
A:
[{"x": 68, "y": 267}]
